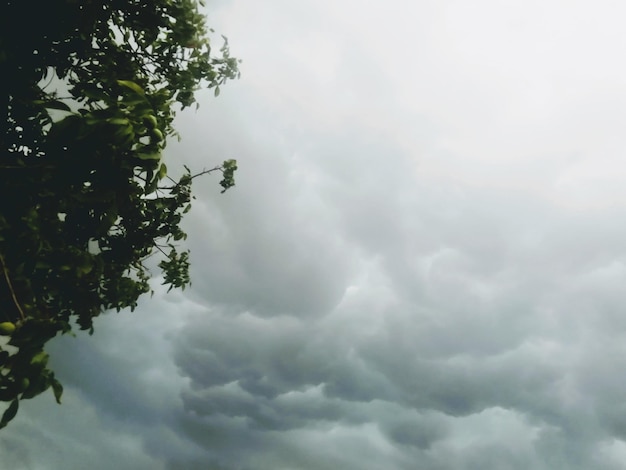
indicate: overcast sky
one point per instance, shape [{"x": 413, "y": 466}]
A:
[{"x": 422, "y": 266}]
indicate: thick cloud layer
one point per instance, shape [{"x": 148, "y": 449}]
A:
[{"x": 422, "y": 265}]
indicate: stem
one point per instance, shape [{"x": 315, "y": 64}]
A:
[
  {"x": 10, "y": 285},
  {"x": 203, "y": 172}
]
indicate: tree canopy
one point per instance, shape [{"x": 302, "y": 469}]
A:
[{"x": 91, "y": 88}]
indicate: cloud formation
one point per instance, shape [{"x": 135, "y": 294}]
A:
[{"x": 422, "y": 265}]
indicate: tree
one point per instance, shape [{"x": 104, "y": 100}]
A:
[{"x": 91, "y": 89}]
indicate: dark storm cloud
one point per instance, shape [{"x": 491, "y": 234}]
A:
[{"x": 477, "y": 336}]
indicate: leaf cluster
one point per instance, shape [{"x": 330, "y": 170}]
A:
[{"x": 88, "y": 107}]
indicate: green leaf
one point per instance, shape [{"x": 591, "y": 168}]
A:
[
  {"x": 95, "y": 94},
  {"x": 57, "y": 389},
  {"x": 7, "y": 394},
  {"x": 123, "y": 135},
  {"x": 84, "y": 269},
  {"x": 216, "y": 92},
  {"x": 162, "y": 171},
  {"x": 56, "y": 104},
  {"x": 119, "y": 121},
  {"x": 38, "y": 384},
  {"x": 131, "y": 85},
  {"x": 149, "y": 156},
  {"x": 152, "y": 186},
  {"x": 66, "y": 126},
  {"x": 40, "y": 359},
  {"x": 9, "y": 413}
]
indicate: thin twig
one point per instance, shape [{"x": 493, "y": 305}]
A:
[
  {"x": 10, "y": 285},
  {"x": 161, "y": 250},
  {"x": 203, "y": 172}
]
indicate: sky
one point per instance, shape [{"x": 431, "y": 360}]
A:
[{"x": 422, "y": 266}]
